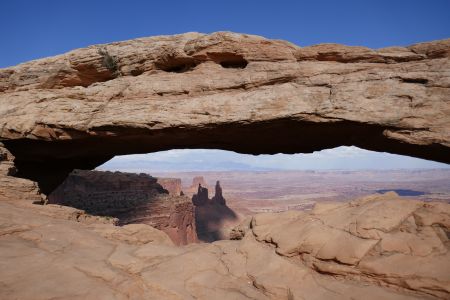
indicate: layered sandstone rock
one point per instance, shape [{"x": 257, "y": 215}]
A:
[
  {"x": 172, "y": 185},
  {"x": 223, "y": 90},
  {"x": 12, "y": 187},
  {"x": 173, "y": 215},
  {"x": 230, "y": 91},
  {"x": 218, "y": 197},
  {"x": 196, "y": 182},
  {"x": 378, "y": 247},
  {"x": 213, "y": 218},
  {"x": 201, "y": 198},
  {"x": 131, "y": 198},
  {"x": 385, "y": 239}
]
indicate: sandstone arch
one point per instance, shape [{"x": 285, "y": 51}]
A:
[{"x": 224, "y": 90}]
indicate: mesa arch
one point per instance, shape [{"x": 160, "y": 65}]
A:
[{"x": 223, "y": 90}]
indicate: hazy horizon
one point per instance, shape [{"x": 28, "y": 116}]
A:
[{"x": 191, "y": 160}]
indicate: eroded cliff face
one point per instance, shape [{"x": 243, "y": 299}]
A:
[
  {"x": 132, "y": 199},
  {"x": 229, "y": 91},
  {"x": 196, "y": 182},
  {"x": 223, "y": 90},
  {"x": 171, "y": 185},
  {"x": 213, "y": 218},
  {"x": 12, "y": 187}
]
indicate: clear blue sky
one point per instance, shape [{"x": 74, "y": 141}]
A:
[{"x": 33, "y": 29}]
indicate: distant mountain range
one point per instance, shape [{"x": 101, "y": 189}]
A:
[
  {"x": 145, "y": 166},
  {"x": 341, "y": 158}
]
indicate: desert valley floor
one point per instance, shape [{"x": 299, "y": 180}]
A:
[{"x": 270, "y": 191}]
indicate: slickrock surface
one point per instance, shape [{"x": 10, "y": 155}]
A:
[
  {"x": 235, "y": 92},
  {"x": 378, "y": 247},
  {"x": 132, "y": 198},
  {"x": 222, "y": 90},
  {"x": 383, "y": 239}
]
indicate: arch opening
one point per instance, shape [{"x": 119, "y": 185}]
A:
[
  {"x": 200, "y": 194},
  {"x": 49, "y": 162}
]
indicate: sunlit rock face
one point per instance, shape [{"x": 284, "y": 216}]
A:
[
  {"x": 377, "y": 247},
  {"x": 386, "y": 240},
  {"x": 222, "y": 90},
  {"x": 171, "y": 185},
  {"x": 233, "y": 92}
]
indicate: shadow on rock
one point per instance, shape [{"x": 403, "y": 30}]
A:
[
  {"x": 132, "y": 199},
  {"x": 212, "y": 216}
]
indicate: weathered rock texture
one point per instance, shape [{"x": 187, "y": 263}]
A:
[
  {"x": 213, "y": 218},
  {"x": 218, "y": 197},
  {"x": 172, "y": 185},
  {"x": 12, "y": 187},
  {"x": 384, "y": 239},
  {"x": 132, "y": 199},
  {"x": 224, "y": 90},
  {"x": 201, "y": 198},
  {"x": 196, "y": 181},
  {"x": 379, "y": 247}
]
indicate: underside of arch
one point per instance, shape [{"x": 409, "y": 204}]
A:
[{"x": 224, "y": 91}]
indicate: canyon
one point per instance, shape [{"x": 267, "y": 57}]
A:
[
  {"x": 130, "y": 198},
  {"x": 251, "y": 192},
  {"x": 223, "y": 91}
]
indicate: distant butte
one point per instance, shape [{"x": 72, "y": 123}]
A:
[{"x": 213, "y": 218}]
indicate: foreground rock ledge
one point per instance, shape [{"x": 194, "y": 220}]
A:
[
  {"x": 222, "y": 90},
  {"x": 377, "y": 247}
]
